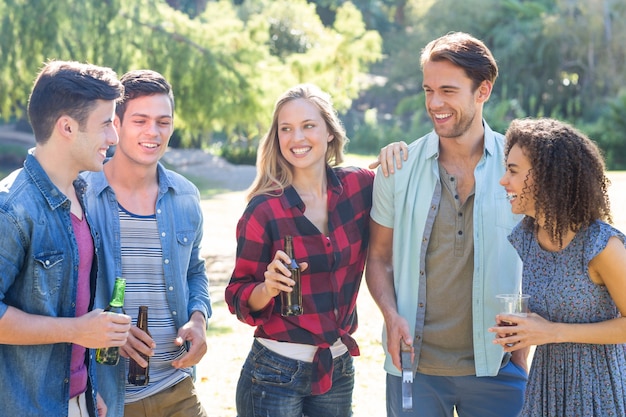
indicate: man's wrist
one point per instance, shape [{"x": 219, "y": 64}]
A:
[{"x": 198, "y": 315}]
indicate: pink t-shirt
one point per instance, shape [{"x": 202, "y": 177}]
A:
[{"x": 78, "y": 368}]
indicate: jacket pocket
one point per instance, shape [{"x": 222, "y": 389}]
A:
[{"x": 48, "y": 274}]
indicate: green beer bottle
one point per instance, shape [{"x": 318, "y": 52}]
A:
[{"x": 111, "y": 355}]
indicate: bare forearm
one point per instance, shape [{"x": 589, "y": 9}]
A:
[
  {"x": 379, "y": 279},
  {"x": 259, "y": 298},
  {"x": 20, "y": 328},
  {"x": 606, "y": 332},
  {"x": 92, "y": 330}
]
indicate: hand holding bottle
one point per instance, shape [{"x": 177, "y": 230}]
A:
[
  {"x": 139, "y": 370},
  {"x": 101, "y": 329},
  {"x": 278, "y": 276},
  {"x": 138, "y": 343}
]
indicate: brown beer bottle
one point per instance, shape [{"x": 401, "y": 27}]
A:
[
  {"x": 136, "y": 374},
  {"x": 111, "y": 355},
  {"x": 292, "y": 301}
]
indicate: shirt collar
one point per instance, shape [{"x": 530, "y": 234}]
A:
[
  {"x": 432, "y": 146},
  {"x": 49, "y": 191},
  {"x": 99, "y": 182}
]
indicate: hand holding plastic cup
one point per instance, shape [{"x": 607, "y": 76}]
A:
[{"x": 515, "y": 304}]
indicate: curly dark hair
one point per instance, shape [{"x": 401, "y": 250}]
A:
[{"x": 570, "y": 186}]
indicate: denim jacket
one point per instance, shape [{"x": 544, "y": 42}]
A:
[
  {"x": 38, "y": 275},
  {"x": 180, "y": 224}
]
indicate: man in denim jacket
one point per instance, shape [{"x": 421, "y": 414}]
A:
[
  {"x": 46, "y": 249},
  {"x": 150, "y": 224}
]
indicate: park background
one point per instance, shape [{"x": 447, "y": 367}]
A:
[{"x": 228, "y": 61}]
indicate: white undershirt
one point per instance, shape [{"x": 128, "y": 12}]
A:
[{"x": 300, "y": 351}]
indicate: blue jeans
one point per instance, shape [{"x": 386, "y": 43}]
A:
[
  {"x": 272, "y": 385},
  {"x": 437, "y": 396}
]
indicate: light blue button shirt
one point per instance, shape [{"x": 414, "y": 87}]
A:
[{"x": 403, "y": 202}]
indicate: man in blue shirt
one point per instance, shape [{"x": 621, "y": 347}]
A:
[
  {"x": 439, "y": 252},
  {"x": 46, "y": 249},
  {"x": 150, "y": 224}
]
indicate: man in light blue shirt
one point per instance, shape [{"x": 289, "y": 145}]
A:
[{"x": 439, "y": 252}]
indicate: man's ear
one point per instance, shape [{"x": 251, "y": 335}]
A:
[
  {"x": 117, "y": 123},
  {"x": 484, "y": 91},
  {"x": 66, "y": 126}
]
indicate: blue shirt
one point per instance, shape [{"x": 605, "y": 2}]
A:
[
  {"x": 180, "y": 224},
  {"x": 403, "y": 201},
  {"x": 39, "y": 275}
]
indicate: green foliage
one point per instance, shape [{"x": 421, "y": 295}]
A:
[
  {"x": 224, "y": 62},
  {"x": 229, "y": 60},
  {"x": 609, "y": 133},
  {"x": 239, "y": 154}
]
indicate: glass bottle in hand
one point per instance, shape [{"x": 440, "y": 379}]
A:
[
  {"x": 137, "y": 375},
  {"x": 111, "y": 355},
  {"x": 292, "y": 301}
]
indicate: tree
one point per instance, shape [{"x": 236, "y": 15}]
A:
[{"x": 221, "y": 58}]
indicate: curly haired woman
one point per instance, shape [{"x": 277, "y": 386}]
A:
[{"x": 574, "y": 270}]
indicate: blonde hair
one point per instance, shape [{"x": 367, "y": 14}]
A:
[{"x": 274, "y": 173}]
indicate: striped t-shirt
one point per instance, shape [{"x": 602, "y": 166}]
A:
[{"x": 145, "y": 285}]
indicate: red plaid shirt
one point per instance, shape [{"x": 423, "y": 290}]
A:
[{"x": 331, "y": 282}]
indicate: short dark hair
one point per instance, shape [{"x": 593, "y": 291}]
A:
[
  {"x": 71, "y": 88},
  {"x": 464, "y": 51},
  {"x": 139, "y": 83}
]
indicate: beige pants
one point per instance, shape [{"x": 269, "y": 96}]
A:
[
  {"x": 181, "y": 400},
  {"x": 78, "y": 406}
]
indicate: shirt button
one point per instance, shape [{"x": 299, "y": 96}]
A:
[
  {"x": 158, "y": 211},
  {"x": 66, "y": 381},
  {"x": 421, "y": 305},
  {"x": 47, "y": 262},
  {"x": 171, "y": 288},
  {"x": 185, "y": 239},
  {"x": 173, "y": 313},
  {"x": 163, "y": 234},
  {"x": 460, "y": 232},
  {"x": 167, "y": 261}
]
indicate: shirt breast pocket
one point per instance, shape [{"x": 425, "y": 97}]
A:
[
  {"x": 48, "y": 274},
  {"x": 185, "y": 240},
  {"x": 357, "y": 236}
]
